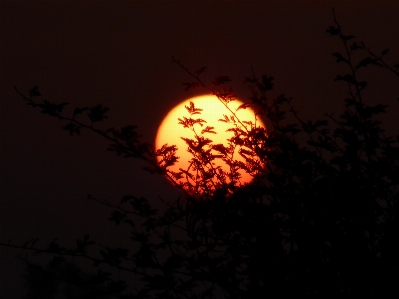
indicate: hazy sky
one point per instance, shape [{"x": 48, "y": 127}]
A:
[{"x": 119, "y": 54}]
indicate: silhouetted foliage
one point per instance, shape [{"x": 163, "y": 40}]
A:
[{"x": 319, "y": 217}]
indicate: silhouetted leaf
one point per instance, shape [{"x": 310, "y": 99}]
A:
[
  {"x": 243, "y": 106},
  {"x": 267, "y": 83},
  {"x": 220, "y": 148},
  {"x": 97, "y": 113},
  {"x": 340, "y": 58},
  {"x": 208, "y": 129},
  {"x": 384, "y": 52},
  {"x": 73, "y": 128},
  {"x": 191, "y": 85},
  {"x": 347, "y": 37},
  {"x": 355, "y": 46},
  {"x": 220, "y": 80},
  {"x": 226, "y": 119},
  {"x": 79, "y": 110},
  {"x": 34, "y": 92},
  {"x": 50, "y": 108},
  {"x": 333, "y": 30},
  {"x": 117, "y": 217},
  {"x": 192, "y": 109},
  {"x": 200, "y": 71},
  {"x": 368, "y": 61}
]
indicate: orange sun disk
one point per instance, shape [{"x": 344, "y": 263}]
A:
[{"x": 170, "y": 132}]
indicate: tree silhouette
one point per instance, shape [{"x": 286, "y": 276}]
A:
[{"x": 318, "y": 217}]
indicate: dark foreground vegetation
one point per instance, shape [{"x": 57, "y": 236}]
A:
[{"x": 319, "y": 217}]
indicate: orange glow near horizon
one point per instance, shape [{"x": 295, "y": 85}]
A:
[{"x": 170, "y": 132}]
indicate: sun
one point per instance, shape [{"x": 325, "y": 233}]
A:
[{"x": 212, "y": 125}]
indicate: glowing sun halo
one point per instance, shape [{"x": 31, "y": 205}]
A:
[{"x": 171, "y": 132}]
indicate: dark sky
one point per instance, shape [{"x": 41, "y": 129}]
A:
[{"x": 118, "y": 54}]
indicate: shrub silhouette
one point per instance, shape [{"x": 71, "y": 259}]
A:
[{"x": 319, "y": 216}]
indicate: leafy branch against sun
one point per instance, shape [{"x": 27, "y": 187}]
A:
[
  {"x": 207, "y": 166},
  {"x": 192, "y": 109}
]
